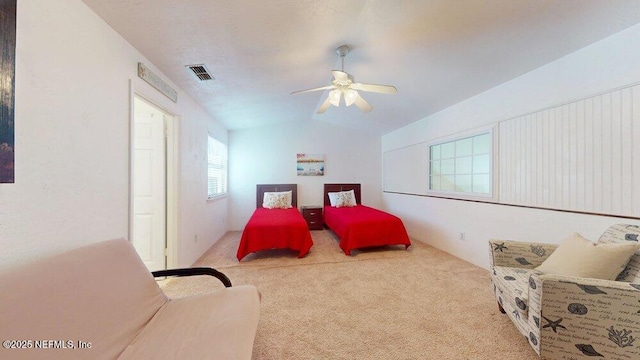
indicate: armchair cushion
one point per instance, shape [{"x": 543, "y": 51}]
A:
[{"x": 579, "y": 257}]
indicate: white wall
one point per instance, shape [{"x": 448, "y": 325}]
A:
[
  {"x": 267, "y": 155},
  {"x": 72, "y": 139},
  {"x": 605, "y": 65}
]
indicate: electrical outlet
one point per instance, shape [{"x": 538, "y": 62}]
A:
[{"x": 462, "y": 236}]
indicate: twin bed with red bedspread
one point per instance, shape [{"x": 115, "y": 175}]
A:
[
  {"x": 275, "y": 228},
  {"x": 361, "y": 226},
  {"x": 356, "y": 225}
]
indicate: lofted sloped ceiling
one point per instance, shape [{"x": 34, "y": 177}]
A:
[{"x": 436, "y": 52}]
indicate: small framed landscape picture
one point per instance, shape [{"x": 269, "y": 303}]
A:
[{"x": 310, "y": 164}]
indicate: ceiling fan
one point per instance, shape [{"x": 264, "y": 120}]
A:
[{"x": 343, "y": 86}]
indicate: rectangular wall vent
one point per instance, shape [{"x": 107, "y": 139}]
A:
[{"x": 200, "y": 71}]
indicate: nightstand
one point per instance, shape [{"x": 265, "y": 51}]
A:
[{"x": 313, "y": 216}]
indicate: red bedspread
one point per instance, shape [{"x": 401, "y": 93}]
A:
[
  {"x": 361, "y": 226},
  {"x": 275, "y": 229}
]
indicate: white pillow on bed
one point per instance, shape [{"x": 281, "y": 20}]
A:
[
  {"x": 346, "y": 199},
  {"x": 333, "y": 198},
  {"x": 277, "y": 200}
]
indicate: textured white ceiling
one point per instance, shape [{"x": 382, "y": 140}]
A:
[{"x": 436, "y": 52}]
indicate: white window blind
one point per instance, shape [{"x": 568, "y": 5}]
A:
[{"x": 217, "y": 168}]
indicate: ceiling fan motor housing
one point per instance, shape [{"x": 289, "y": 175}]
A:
[{"x": 343, "y": 50}]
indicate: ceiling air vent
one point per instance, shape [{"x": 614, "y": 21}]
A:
[{"x": 200, "y": 71}]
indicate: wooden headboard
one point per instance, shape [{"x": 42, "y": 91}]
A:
[
  {"x": 340, "y": 187},
  {"x": 263, "y": 188}
]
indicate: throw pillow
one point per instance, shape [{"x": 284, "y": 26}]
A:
[
  {"x": 579, "y": 257},
  {"x": 333, "y": 198},
  {"x": 277, "y": 200},
  {"x": 346, "y": 199}
]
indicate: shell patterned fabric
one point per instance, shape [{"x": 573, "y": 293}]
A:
[
  {"x": 588, "y": 318},
  {"x": 623, "y": 233},
  {"x": 510, "y": 308},
  {"x": 569, "y": 317},
  {"x": 514, "y": 281},
  {"x": 519, "y": 254}
]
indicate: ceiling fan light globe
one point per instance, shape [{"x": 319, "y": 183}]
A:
[
  {"x": 334, "y": 97},
  {"x": 350, "y": 97}
]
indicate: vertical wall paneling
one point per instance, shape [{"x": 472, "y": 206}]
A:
[
  {"x": 565, "y": 155},
  {"x": 579, "y": 174},
  {"x": 616, "y": 152},
  {"x": 578, "y": 156},
  {"x": 626, "y": 149},
  {"x": 597, "y": 153},
  {"x": 588, "y": 154},
  {"x": 572, "y": 178},
  {"x": 606, "y": 153},
  {"x": 544, "y": 161}
]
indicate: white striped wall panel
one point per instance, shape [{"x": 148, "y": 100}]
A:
[{"x": 580, "y": 156}]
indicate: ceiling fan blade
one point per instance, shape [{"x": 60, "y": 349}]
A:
[
  {"x": 324, "y": 106},
  {"x": 340, "y": 75},
  {"x": 362, "y": 104},
  {"x": 314, "y": 89},
  {"x": 382, "y": 89}
]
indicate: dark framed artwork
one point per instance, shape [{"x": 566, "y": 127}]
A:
[{"x": 7, "y": 89}]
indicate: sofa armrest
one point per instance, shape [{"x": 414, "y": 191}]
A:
[
  {"x": 192, "y": 272},
  {"x": 587, "y": 283},
  {"x": 519, "y": 254},
  {"x": 573, "y": 317}
]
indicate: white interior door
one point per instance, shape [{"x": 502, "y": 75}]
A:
[{"x": 149, "y": 185}]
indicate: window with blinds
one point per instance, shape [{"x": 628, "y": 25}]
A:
[{"x": 217, "y": 168}]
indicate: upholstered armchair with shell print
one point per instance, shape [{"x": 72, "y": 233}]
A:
[{"x": 575, "y": 300}]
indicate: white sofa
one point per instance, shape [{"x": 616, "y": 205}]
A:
[
  {"x": 100, "y": 302},
  {"x": 566, "y": 317}
]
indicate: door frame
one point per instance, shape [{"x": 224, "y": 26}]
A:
[{"x": 171, "y": 183}]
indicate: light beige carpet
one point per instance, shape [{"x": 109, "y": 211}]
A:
[{"x": 386, "y": 303}]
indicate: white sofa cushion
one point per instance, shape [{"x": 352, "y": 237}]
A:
[
  {"x": 100, "y": 293},
  {"x": 212, "y": 321}
]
